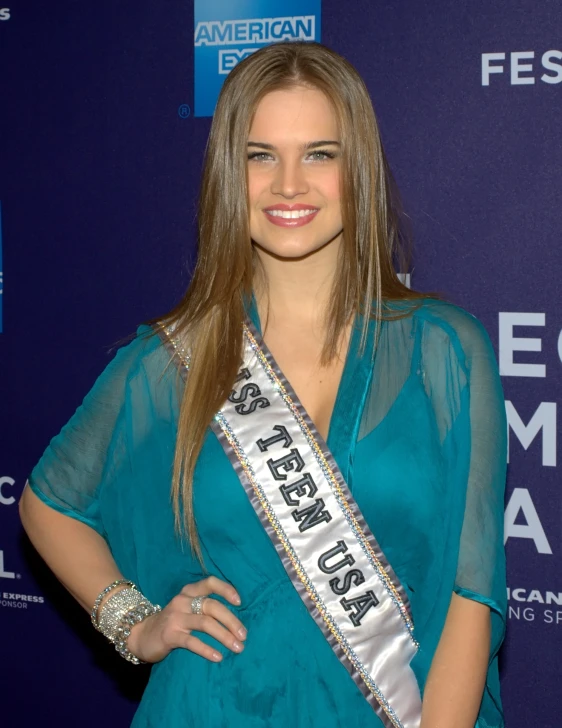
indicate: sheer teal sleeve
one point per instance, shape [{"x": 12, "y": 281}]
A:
[
  {"x": 464, "y": 385},
  {"x": 481, "y": 561},
  {"x": 469, "y": 379},
  {"x": 462, "y": 381},
  {"x": 92, "y": 447},
  {"x": 481, "y": 571}
]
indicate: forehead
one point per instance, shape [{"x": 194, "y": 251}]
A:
[{"x": 299, "y": 113}]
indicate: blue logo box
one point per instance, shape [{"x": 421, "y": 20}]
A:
[{"x": 227, "y": 32}]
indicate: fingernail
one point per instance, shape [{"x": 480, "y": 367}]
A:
[
  {"x": 217, "y": 656},
  {"x": 236, "y": 599},
  {"x": 237, "y": 646},
  {"x": 242, "y": 633}
]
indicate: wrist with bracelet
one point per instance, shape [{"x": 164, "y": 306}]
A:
[{"x": 119, "y": 613}]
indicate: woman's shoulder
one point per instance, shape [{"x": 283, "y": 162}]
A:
[
  {"x": 143, "y": 354},
  {"x": 443, "y": 328},
  {"x": 446, "y": 316},
  {"x": 452, "y": 325}
]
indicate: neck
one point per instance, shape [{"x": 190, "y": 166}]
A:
[{"x": 296, "y": 292}]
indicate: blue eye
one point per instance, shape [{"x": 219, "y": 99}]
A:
[
  {"x": 321, "y": 155},
  {"x": 318, "y": 155},
  {"x": 259, "y": 156}
]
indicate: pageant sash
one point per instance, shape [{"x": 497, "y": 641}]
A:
[{"x": 320, "y": 535}]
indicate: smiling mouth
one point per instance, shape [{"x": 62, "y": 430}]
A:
[
  {"x": 291, "y": 218},
  {"x": 292, "y": 214}
]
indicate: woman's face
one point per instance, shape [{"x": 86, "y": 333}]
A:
[{"x": 294, "y": 173}]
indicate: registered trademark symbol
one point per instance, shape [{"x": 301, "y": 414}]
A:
[
  {"x": 184, "y": 111},
  {"x": 18, "y": 576}
]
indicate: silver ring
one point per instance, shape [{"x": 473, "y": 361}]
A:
[{"x": 197, "y": 605}]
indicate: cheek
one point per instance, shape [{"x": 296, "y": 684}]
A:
[
  {"x": 256, "y": 184},
  {"x": 331, "y": 187}
]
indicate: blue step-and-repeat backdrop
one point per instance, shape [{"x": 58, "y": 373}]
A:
[{"x": 104, "y": 114}]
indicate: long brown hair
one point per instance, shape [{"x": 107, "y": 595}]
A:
[{"x": 211, "y": 313}]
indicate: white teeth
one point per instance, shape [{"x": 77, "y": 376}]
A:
[{"x": 290, "y": 214}]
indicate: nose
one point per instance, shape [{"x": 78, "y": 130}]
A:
[{"x": 289, "y": 179}]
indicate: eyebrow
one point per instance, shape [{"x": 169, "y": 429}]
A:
[{"x": 304, "y": 147}]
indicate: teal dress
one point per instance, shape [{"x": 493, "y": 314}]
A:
[{"x": 419, "y": 434}]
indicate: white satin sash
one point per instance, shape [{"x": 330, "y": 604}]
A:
[{"x": 320, "y": 535}]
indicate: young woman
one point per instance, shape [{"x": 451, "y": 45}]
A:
[{"x": 334, "y": 444}]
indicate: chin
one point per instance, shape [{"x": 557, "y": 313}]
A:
[{"x": 292, "y": 249}]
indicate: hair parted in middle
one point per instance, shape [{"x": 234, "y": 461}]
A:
[{"x": 211, "y": 314}]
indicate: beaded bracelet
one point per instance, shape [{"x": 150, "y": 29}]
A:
[
  {"x": 94, "y": 614},
  {"x": 129, "y": 619},
  {"x": 113, "y": 610},
  {"x": 119, "y": 613}
]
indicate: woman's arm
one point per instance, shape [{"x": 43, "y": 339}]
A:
[
  {"x": 79, "y": 557},
  {"x": 81, "y": 560},
  {"x": 456, "y": 680}
]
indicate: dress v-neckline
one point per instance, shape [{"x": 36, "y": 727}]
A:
[{"x": 350, "y": 397}]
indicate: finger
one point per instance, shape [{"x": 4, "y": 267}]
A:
[
  {"x": 212, "y": 585},
  {"x": 223, "y": 615},
  {"x": 209, "y": 625},
  {"x": 217, "y": 610},
  {"x": 213, "y": 608},
  {"x": 194, "y": 644}
]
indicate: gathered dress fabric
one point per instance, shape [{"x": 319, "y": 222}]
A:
[{"x": 419, "y": 433}]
